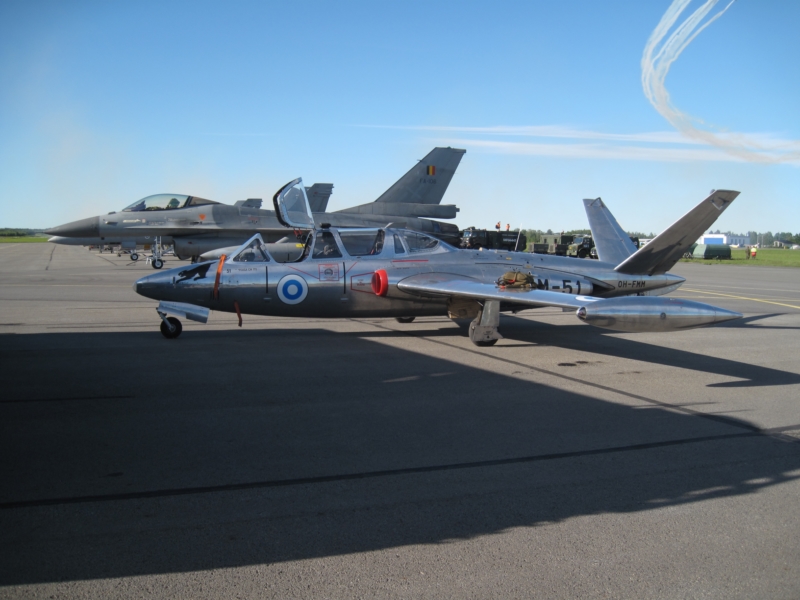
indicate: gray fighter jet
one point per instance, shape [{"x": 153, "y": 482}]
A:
[
  {"x": 195, "y": 225},
  {"x": 394, "y": 272}
]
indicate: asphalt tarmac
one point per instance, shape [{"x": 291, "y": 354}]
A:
[{"x": 365, "y": 458}]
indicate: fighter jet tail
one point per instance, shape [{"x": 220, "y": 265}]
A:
[
  {"x": 424, "y": 184},
  {"x": 318, "y": 196},
  {"x": 667, "y": 248},
  {"x": 612, "y": 243}
]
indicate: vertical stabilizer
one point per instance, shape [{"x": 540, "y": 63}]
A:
[
  {"x": 427, "y": 181},
  {"x": 612, "y": 243},
  {"x": 660, "y": 255},
  {"x": 318, "y": 196}
]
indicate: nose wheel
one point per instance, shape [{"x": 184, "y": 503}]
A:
[
  {"x": 405, "y": 319},
  {"x": 155, "y": 260},
  {"x": 134, "y": 256},
  {"x": 170, "y": 326}
]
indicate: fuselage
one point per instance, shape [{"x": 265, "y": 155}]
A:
[
  {"x": 195, "y": 229},
  {"x": 335, "y": 276}
]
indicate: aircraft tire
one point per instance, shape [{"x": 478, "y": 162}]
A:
[
  {"x": 171, "y": 335},
  {"x": 134, "y": 256},
  {"x": 158, "y": 263},
  {"x": 486, "y": 343},
  {"x": 405, "y": 319}
]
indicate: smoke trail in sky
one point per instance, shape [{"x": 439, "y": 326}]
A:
[{"x": 662, "y": 50}]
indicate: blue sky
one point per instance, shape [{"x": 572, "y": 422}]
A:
[{"x": 103, "y": 103}]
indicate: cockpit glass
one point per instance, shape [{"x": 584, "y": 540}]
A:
[
  {"x": 363, "y": 243},
  {"x": 419, "y": 242},
  {"x": 398, "y": 245},
  {"x": 326, "y": 246},
  {"x": 158, "y": 202},
  {"x": 255, "y": 251}
]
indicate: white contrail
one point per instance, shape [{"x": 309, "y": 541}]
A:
[{"x": 659, "y": 54}]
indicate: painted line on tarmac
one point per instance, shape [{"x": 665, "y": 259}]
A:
[
  {"x": 739, "y": 297},
  {"x": 233, "y": 487}
]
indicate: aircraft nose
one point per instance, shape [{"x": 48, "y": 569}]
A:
[
  {"x": 152, "y": 286},
  {"x": 82, "y": 228}
]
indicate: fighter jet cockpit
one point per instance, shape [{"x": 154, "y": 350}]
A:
[
  {"x": 253, "y": 250},
  {"x": 166, "y": 202}
]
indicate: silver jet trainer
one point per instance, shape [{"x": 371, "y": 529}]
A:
[{"x": 387, "y": 272}]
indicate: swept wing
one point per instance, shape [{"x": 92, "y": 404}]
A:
[{"x": 448, "y": 284}]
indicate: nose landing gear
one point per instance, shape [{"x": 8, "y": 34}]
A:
[{"x": 170, "y": 326}]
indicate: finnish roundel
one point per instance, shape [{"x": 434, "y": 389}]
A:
[{"x": 292, "y": 289}]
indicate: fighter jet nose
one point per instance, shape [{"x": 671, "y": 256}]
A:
[{"x": 82, "y": 228}]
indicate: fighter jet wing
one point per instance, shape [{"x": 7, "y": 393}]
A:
[{"x": 447, "y": 284}]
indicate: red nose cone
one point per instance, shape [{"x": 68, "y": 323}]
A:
[{"x": 380, "y": 282}]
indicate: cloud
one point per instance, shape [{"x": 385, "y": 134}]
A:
[
  {"x": 662, "y": 50},
  {"x": 600, "y": 151},
  {"x": 657, "y": 146}
]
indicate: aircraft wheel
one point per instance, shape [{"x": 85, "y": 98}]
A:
[
  {"x": 405, "y": 319},
  {"x": 158, "y": 263},
  {"x": 170, "y": 335},
  {"x": 486, "y": 343},
  {"x": 134, "y": 256}
]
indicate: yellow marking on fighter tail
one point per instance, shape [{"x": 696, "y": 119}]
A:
[{"x": 738, "y": 297}]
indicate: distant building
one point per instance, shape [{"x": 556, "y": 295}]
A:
[{"x": 724, "y": 238}]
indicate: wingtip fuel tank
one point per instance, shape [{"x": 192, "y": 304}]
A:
[{"x": 644, "y": 313}]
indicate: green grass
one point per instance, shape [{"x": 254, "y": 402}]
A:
[
  {"x": 23, "y": 240},
  {"x": 765, "y": 257}
]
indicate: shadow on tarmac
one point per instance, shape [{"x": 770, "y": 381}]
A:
[{"x": 125, "y": 454}]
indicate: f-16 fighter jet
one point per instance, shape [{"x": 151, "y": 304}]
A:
[
  {"x": 395, "y": 272},
  {"x": 195, "y": 225}
]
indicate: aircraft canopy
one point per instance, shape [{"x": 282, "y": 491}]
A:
[{"x": 166, "y": 202}]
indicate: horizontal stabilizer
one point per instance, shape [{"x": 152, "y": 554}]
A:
[
  {"x": 427, "y": 181},
  {"x": 318, "y": 196},
  {"x": 612, "y": 243},
  {"x": 660, "y": 255}
]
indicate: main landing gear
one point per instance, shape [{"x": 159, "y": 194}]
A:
[
  {"x": 483, "y": 330},
  {"x": 405, "y": 319}
]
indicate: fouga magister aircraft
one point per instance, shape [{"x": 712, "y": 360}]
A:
[{"x": 389, "y": 272}]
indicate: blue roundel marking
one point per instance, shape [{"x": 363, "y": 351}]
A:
[{"x": 292, "y": 289}]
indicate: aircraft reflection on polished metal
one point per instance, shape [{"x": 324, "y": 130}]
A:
[
  {"x": 389, "y": 272},
  {"x": 195, "y": 225}
]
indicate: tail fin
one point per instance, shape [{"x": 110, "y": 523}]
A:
[
  {"x": 666, "y": 249},
  {"x": 427, "y": 181},
  {"x": 612, "y": 243},
  {"x": 318, "y": 196}
]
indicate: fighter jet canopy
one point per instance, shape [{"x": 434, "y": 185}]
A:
[
  {"x": 166, "y": 202},
  {"x": 291, "y": 206}
]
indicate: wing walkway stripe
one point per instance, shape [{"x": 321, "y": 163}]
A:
[{"x": 365, "y": 475}]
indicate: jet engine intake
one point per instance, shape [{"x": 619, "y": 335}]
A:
[
  {"x": 652, "y": 313},
  {"x": 380, "y": 282}
]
